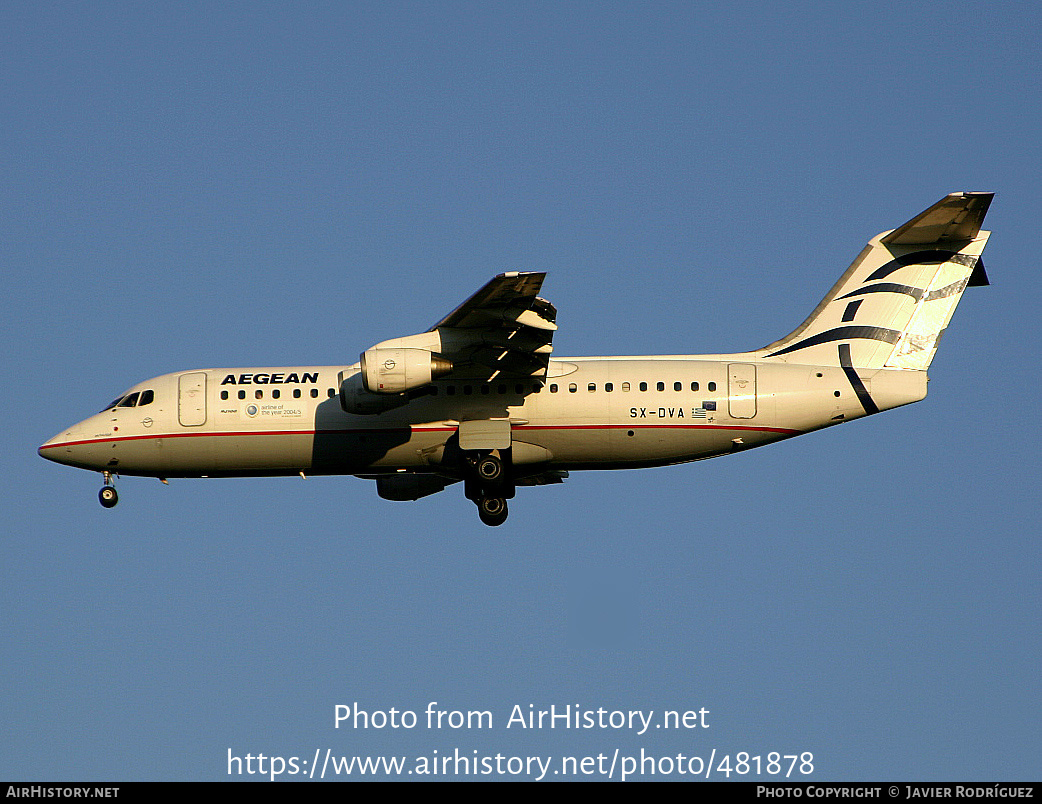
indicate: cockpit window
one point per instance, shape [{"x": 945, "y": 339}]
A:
[{"x": 136, "y": 399}]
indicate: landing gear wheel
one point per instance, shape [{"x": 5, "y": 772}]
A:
[
  {"x": 492, "y": 510},
  {"x": 489, "y": 469},
  {"x": 108, "y": 496}
]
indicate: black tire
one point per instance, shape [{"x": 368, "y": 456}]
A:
[
  {"x": 489, "y": 469},
  {"x": 492, "y": 511},
  {"x": 108, "y": 496}
]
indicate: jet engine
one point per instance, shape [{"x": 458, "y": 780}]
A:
[
  {"x": 405, "y": 487},
  {"x": 356, "y": 400},
  {"x": 393, "y": 371}
]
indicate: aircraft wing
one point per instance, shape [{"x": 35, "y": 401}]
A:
[{"x": 503, "y": 331}]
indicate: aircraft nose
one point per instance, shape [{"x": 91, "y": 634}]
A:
[
  {"x": 47, "y": 446},
  {"x": 59, "y": 448}
]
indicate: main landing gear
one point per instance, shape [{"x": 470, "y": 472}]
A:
[
  {"x": 108, "y": 496},
  {"x": 488, "y": 486},
  {"x": 492, "y": 510}
]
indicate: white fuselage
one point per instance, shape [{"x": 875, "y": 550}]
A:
[
  {"x": 477, "y": 398},
  {"x": 590, "y": 413}
]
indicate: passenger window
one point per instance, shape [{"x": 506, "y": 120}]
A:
[
  {"x": 553, "y": 388},
  {"x": 660, "y": 386},
  {"x": 259, "y": 394},
  {"x": 520, "y": 389},
  {"x": 644, "y": 386},
  {"x": 677, "y": 386},
  {"x": 625, "y": 386},
  {"x": 572, "y": 387},
  {"x": 591, "y": 387},
  {"x": 314, "y": 393},
  {"x": 331, "y": 393},
  {"x": 712, "y": 386},
  {"x": 242, "y": 394},
  {"x": 694, "y": 386},
  {"x": 296, "y": 393},
  {"x": 609, "y": 387},
  {"x": 275, "y": 393},
  {"x": 224, "y": 394},
  {"x": 129, "y": 401}
]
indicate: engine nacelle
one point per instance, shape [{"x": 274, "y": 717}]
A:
[
  {"x": 394, "y": 371},
  {"x": 405, "y": 487},
  {"x": 358, "y": 401}
]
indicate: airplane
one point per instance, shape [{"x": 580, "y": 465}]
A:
[{"x": 479, "y": 399}]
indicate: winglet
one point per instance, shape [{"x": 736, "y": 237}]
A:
[{"x": 957, "y": 216}]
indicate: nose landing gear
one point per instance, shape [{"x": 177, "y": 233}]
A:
[{"x": 108, "y": 496}]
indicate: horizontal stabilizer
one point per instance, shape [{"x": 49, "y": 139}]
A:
[{"x": 958, "y": 216}]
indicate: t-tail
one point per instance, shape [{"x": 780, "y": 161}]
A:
[{"x": 891, "y": 307}]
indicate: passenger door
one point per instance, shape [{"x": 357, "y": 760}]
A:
[
  {"x": 741, "y": 390},
  {"x": 191, "y": 399}
]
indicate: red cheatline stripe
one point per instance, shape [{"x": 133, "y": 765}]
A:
[
  {"x": 367, "y": 431},
  {"x": 655, "y": 427}
]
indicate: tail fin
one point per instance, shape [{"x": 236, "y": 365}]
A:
[{"x": 892, "y": 305}]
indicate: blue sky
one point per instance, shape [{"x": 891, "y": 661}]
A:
[{"x": 265, "y": 184}]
